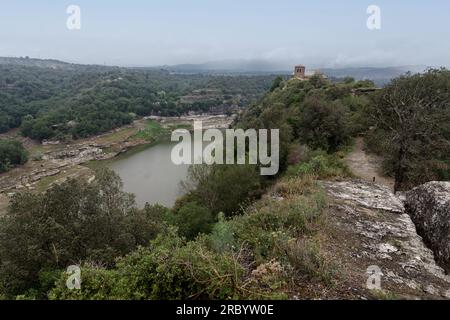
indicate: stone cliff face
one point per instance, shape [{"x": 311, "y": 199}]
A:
[
  {"x": 370, "y": 230},
  {"x": 429, "y": 207}
]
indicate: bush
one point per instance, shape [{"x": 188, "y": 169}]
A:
[
  {"x": 246, "y": 257},
  {"x": 12, "y": 153},
  {"x": 169, "y": 269},
  {"x": 323, "y": 124},
  {"x": 261, "y": 228},
  {"x": 304, "y": 256},
  {"x": 223, "y": 188},
  {"x": 72, "y": 222},
  {"x": 192, "y": 219},
  {"x": 321, "y": 165}
]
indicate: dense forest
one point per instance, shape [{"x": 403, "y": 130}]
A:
[
  {"x": 224, "y": 239},
  {"x": 65, "y": 101}
]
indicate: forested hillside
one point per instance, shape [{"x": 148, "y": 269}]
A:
[
  {"x": 50, "y": 99},
  {"x": 235, "y": 234}
]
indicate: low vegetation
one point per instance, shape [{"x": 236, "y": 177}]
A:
[
  {"x": 321, "y": 165},
  {"x": 264, "y": 253},
  {"x": 72, "y": 222},
  {"x": 12, "y": 153}
]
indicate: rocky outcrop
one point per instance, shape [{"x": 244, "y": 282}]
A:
[
  {"x": 368, "y": 195},
  {"x": 429, "y": 207},
  {"x": 369, "y": 228},
  {"x": 76, "y": 154}
]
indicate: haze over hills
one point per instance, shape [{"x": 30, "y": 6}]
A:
[
  {"x": 47, "y": 63},
  {"x": 380, "y": 75}
]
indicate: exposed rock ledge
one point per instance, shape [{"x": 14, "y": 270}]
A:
[
  {"x": 369, "y": 227},
  {"x": 429, "y": 207}
]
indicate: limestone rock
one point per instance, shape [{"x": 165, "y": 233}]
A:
[
  {"x": 369, "y": 227},
  {"x": 429, "y": 207},
  {"x": 368, "y": 195}
]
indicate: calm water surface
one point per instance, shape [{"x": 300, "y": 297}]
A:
[{"x": 150, "y": 174}]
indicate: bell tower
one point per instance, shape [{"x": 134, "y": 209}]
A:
[{"x": 299, "y": 71}]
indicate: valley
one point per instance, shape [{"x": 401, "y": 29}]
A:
[{"x": 54, "y": 162}]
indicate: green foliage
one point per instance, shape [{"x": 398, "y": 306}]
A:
[
  {"x": 317, "y": 112},
  {"x": 222, "y": 236},
  {"x": 12, "y": 153},
  {"x": 192, "y": 219},
  {"x": 251, "y": 256},
  {"x": 71, "y": 222},
  {"x": 276, "y": 83},
  {"x": 321, "y": 165},
  {"x": 265, "y": 228},
  {"x": 304, "y": 255},
  {"x": 169, "y": 269},
  {"x": 411, "y": 115},
  {"x": 80, "y": 101},
  {"x": 323, "y": 124},
  {"x": 223, "y": 188},
  {"x": 152, "y": 132},
  {"x": 318, "y": 81}
]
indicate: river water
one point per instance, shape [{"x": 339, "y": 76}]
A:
[{"x": 149, "y": 173}]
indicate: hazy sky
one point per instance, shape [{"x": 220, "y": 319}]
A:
[{"x": 320, "y": 33}]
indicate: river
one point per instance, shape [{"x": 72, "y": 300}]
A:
[{"x": 149, "y": 173}]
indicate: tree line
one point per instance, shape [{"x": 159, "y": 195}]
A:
[{"x": 76, "y": 102}]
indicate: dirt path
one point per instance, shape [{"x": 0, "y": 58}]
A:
[{"x": 365, "y": 166}]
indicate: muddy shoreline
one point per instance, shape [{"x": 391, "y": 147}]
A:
[{"x": 54, "y": 162}]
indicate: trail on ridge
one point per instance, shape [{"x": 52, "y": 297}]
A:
[{"x": 367, "y": 166}]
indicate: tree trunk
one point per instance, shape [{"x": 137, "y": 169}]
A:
[{"x": 399, "y": 173}]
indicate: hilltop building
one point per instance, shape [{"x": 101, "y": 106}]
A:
[{"x": 301, "y": 74}]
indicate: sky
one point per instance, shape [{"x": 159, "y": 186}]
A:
[{"x": 319, "y": 33}]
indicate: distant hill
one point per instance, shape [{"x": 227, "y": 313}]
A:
[
  {"x": 51, "y": 64},
  {"x": 380, "y": 75},
  {"x": 31, "y": 62},
  {"x": 230, "y": 67}
]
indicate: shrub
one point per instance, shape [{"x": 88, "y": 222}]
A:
[
  {"x": 245, "y": 257},
  {"x": 192, "y": 219},
  {"x": 12, "y": 153},
  {"x": 223, "y": 188},
  {"x": 305, "y": 258},
  {"x": 320, "y": 164},
  {"x": 72, "y": 222},
  {"x": 324, "y": 124},
  {"x": 261, "y": 227},
  {"x": 169, "y": 269},
  {"x": 222, "y": 235}
]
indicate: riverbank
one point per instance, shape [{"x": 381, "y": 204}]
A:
[{"x": 54, "y": 162}]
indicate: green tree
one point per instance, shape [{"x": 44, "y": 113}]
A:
[
  {"x": 412, "y": 113},
  {"x": 192, "y": 219},
  {"x": 223, "y": 188},
  {"x": 276, "y": 83},
  {"x": 70, "y": 223},
  {"x": 12, "y": 153},
  {"x": 323, "y": 124}
]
